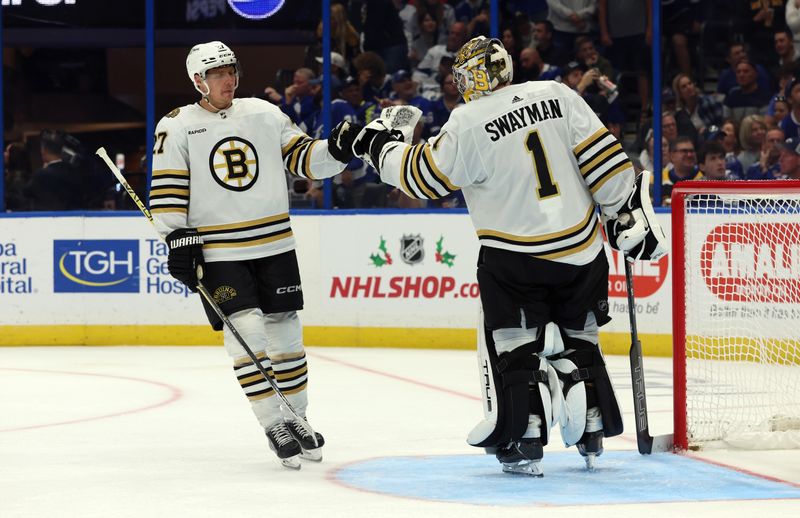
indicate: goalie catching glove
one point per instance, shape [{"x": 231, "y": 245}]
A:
[
  {"x": 634, "y": 229},
  {"x": 185, "y": 256}
]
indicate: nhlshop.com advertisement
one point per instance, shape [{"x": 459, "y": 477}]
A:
[{"x": 404, "y": 270}]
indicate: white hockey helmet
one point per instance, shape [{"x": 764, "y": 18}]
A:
[
  {"x": 205, "y": 56},
  {"x": 481, "y": 65}
]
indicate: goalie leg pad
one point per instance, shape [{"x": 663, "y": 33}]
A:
[
  {"x": 519, "y": 381},
  {"x": 582, "y": 364}
]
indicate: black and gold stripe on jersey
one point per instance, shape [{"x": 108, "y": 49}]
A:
[
  {"x": 253, "y": 383},
  {"x": 297, "y": 156},
  {"x": 600, "y": 158},
  {"x": 247, "y": 233},
  {"x": 420, "y": 177},
  {"x": 169, "y": 191},
  {"x": 553, "y": 245}
]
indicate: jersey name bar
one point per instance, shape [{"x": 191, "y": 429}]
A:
[{"x": 522, "y": 117}]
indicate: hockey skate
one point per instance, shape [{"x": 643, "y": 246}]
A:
[
  {"x": 523, "y": 457},
  {"x": 591, "y": 444},
  {"x": 283, "y": 443},
  {"x": 310, "y": 451}
]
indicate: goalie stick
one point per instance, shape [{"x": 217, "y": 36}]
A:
[
  {"x": 647, "y": 444},
  {"x": 101, "y": 152}
]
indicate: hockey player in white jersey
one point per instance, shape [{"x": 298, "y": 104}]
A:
[
  {"x": 219, "y": 197},
  {"x": 533, "y": 162}
]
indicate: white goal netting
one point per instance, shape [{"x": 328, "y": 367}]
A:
[{"x": 742, "y": 300}]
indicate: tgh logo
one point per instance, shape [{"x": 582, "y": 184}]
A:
[{"x": 96, "y": 266}]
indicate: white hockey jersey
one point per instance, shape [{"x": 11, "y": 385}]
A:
[
  {"x": 533, "y": 161},
  {"x": 223, "y": 173}
]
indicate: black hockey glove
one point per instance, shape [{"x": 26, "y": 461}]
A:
[
  {"x": 185, "y": 256},
  {"x": 370, "y": 141},
  {"x": 340, "y": 141}
]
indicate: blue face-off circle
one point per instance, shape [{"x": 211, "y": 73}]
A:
[
  {"x": 256, "y": 9},
  {"x": 621, "y": 477}
]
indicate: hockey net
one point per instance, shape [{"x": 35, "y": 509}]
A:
[{"x": 736, "y": 309}]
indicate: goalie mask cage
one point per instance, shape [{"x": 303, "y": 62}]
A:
[{"x": 736, "y": 314}]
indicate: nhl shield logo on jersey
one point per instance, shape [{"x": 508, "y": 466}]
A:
[
  {"x": 234, "y": 164},
  {"x": 411, "y": 250}
]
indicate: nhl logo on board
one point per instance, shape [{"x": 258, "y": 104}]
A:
[{"x": 411, "y": 250}]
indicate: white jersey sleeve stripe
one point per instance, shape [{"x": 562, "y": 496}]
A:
[
  {"x": 597, "y": 135},
  {"x": 438, "y": 183},
  {"x": 601, "y": 180},
  {"x": 167, "y": 208},
  {"x": 419, "y": 177},
  {"x": 404, "y": 185},
  {"x": 603, "y": 155},
  {"x": 170, "y": 173},
  {"x": 436, "y": 171}
]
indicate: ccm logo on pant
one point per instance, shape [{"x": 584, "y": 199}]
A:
[{"x": 288, "y": 289}]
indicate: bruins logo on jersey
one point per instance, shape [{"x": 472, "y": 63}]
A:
[{"x": 234, "y": 163}]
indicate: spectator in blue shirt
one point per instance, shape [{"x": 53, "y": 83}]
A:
[
  {"x": 791, "y": 123},
  {"x": 747, "y": 98},
  {"x": 737, "y": 52},
  {"x": 767, "y": 167}
]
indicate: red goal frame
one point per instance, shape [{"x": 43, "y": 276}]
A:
[{"x": 679, "y": 193}]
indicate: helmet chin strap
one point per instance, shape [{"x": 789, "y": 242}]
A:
[{"x": 208, "y": 91}]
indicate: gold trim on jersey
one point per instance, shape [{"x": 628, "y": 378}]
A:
[
  {"x": 554, "y": 242},
  {"x": 609, "y": 175},
  {"x": 297, "y": 156},
  {"x": 597, "y": 135},
  {"x": 578, "y": 247},
  {"x": 436, "y": 171},
  {"x": 533, "y": 240},
  {"x": 157, "y": 173},
  {"x": 588, "y": 166},
  {"x": 165, "y": 210},
  {"x": 245, "y": 242},
  {"x": 243, "y": 224}
]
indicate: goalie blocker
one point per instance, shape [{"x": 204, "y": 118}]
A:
[{"x": 633, "y": 228}]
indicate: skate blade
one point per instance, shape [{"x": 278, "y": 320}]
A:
[
  {"x": 292, "y": 463},
  {"x": 590, "y": 459},
  {"x": 314, "y": 455},
  {"x": 532, "y": 469}
]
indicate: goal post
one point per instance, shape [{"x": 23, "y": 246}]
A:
[{"x": 736, "y": 314}]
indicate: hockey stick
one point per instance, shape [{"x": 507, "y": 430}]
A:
[
  {"x": 101, "y": 152},
  {"x": 647, "y": 444}
]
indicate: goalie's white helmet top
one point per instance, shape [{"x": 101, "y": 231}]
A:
[
  {"x": 205, "y": 56},
  {"x": 481, "y": 65}
]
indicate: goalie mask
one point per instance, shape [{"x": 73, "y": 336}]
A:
[
  {"x": 205, "y": 56},
  {"x": 481, "y": 65}
]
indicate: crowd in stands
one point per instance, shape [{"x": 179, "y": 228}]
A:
[{"x": 730, "y": 98}]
